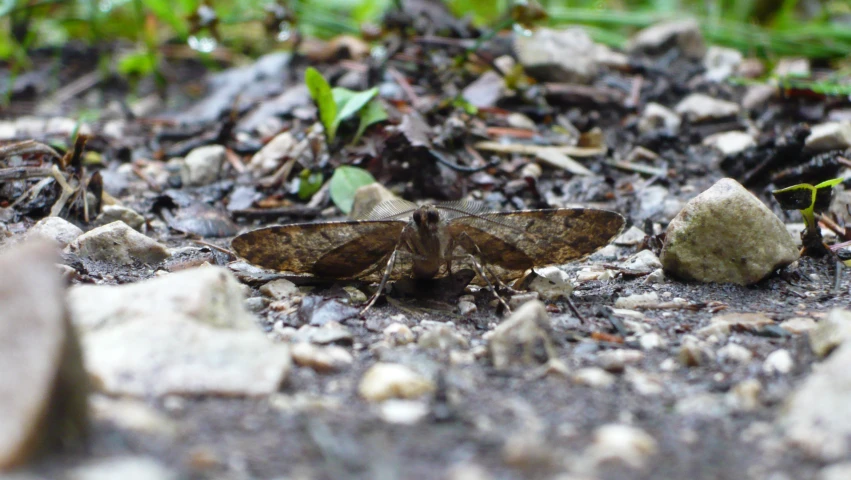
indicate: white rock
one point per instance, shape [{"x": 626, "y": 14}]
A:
[
  {"x": 207, "y": 294},
  {"x": 625, "y": 444},
  {"x": 643, "y": 261},
  {"x": 279, "y": 289},
  {"x": 119, "y": 244},
  {"x": 656, "y": 276},
  {"x": 322, "y": 359},
  {"x": 55, "y": 229},
  {"x": 734, "y": 352},
  {"x": 659, "y": 117},
  {"x": 643, "y": 383},
  {"x": 745, "y": 395},
  {"x": 831, "y": 332},
  {"x": 829, "y": 136},
  {"x": 523, "y": 338},
  {"x": 551, "y": 283},
  {"x": 793, "y": 67},
  {"x": 693, "y": 352},
  {"x": 720, "y": 325},
  {"x": 617, "y": 360},
  {"x": 389, "y": 380},
  {"x": 684, "y": 34},
  {"x": 699, "y": 107},
  {"x": 397, "y": 334},
  {"x": 721, "y": 63},
  {"x": 123, "y": 467},
  {"x": 778, "y": 361},
  {"x": 202, "y": 165},
  {"x": 817, "y": 416},
  {"x": 114, "y": 213},
  {"x": 43, "y": 384},
  {"x": 594, "y": 377},
  {"x": 171, "y": 354},
  {"x": 466, "y": 308},
  {"x": 756, "y": 96},
  {"x": 652, "y": 340},
  {"x": 837, "y": 471},
  {"x": 441, "y": 336},
  {"x": 273, "y": 154},
  {"x": 132, "y": 414},
  {"x": 723, "y": 219},
  {"x": 403, "y": 412},
  {"x": 702, "y": 405},
  {"x": 633, "y": 236},
  {"x": 730, "y": 143},
  {"x": 567, "y": 55},
  {"x": 637, "y": 300},
  {"x": 798, "y": 325}
]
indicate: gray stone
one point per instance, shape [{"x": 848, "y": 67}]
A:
[
  {"x": 114, "y": 213},
  {"x": 172, "y": 354},
  {"x": 644, "y": 261},
  {"x": 699, "y": 107},
  {"x": 798, "y": 325},
  {"x": 726, "y": 235},
  {"x": 55, "y": 229},
  {"x": 207, "y": 294},
  {"x": 659, "y": 117},
  {"x": 367, "y": 197},
  {"x": 623, "y": 444},
  {"x": 637, "y": 300},
  {"x": 397, "y": 334},
  {"x": 831, "y": 332},
  {"x": 735, "y": 353},
  {"x": 119, "y": 244},
  {"x": 756, "y": 96},
  {"x": 550, "y": 55},
  {"x": 829, "y": 136},
  {"x": 817, "y": 416},
  {"x": 390, "y": 380},
  {"x": 779, "y": 361},
  {"x": 730, "y": 143},
  {"x": 321, "y": 359},
  {"x": 721, "y": 63},
  {"x": 484, "y": 91},
  {"x": 273, "y": 154},
  {"x": 594, "y": 377},
  {"x": 203, "y": 165},
  {"x": 43, "y": 385},
  {"x": 441, "y": 336},
  {"x": 837, "y": 471},
  {"x": 551, "y": 283},
  {"x": 125, "y": 468},
  {"x": 522, "y": 339},
  {"x": 279, "y": 289},
  {"x": 683, "y": 34}
]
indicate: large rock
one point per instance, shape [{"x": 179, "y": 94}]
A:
[
  {"x": 522, "y": 339},
  {"x": 726, "y": 235},
  {"x": 43, "y": 384},
  {"x": 171, "y": 354},
  {"x": 119, "y": 244},
  {"x": 658, "y": 38},
  {"x": 209, "y": 295},
  {"x": 567, "y": 55},
  {"x": 817, "y": 416}
]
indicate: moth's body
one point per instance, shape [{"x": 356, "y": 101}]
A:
[{"x": 426, "y": 238}]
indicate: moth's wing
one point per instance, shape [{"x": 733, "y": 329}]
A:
[
  {"x": 330, "y": 249},
  {"x": 390, "y": 209},
  {"x": 459, "y": 208},
  {"x": 512, "y": 242}
]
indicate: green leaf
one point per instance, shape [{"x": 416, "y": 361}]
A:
[
  {"x": 374, "y": 112},
  {"x": 309, "y": 183},
  {"x": 138, "y": 63},
  {"x": 796, "y": 197},
  {"x": 165, "y": 10},
  {"x": 354, "y": 102},
  {"x": 829, "y": 183},
  {"x": 320, "y": 91},
  {"x": 345, "y": 182}
]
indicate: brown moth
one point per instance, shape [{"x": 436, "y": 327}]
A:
[{"x": 400, "y": 240}]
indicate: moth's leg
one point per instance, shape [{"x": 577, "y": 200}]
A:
[
  {"x": 475, "y": 247},
  {"x": 480, "y": 272},
  {"x": 383, "y": 282}
]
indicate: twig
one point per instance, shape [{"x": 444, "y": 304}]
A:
[{"x": 524, "y": 149}]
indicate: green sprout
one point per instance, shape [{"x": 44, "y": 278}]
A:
[
  {"x": 809, "y": 200},
  {"x": 338, "y": 104}
]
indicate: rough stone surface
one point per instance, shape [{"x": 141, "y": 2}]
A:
[
  {"x": 118, "y": 243},
  {"x": 558, "y": 55},
  {"x": 202, "y": 165},
  {"x": 699, "y": 107},
  {"x": 831, "y": 332},
  {"x": 726, "y": 235},
  {"x": 817, "y": 416},
  {"x": 644, "y": 261},
  {"x": 730, "y": 143},
  {"x": 207, "y": 294},
  {"x": 172, "y": 354},
  {"x": 55, "y": 229},
  {"x": 389, "y": 380},
  {"x": 522, "y": 339},
  {"x": 659, "y": 117},
  {"x": 684, "y": 34},
  {"x": 43, "y": 384},
  {"x": 829, "y": 136}
]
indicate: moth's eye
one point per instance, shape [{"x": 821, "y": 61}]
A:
[
  {"x": 432, "y": 216},
  {"x": 418, "y": 217}
]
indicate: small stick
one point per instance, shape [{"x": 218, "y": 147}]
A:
[{"x": 383, "y": 282}]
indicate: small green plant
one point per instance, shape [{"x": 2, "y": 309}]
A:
[
  {"x": 809, "y": 200},
  {"x": 345, "y": 182},
  {"x": 338, "y": 104}
]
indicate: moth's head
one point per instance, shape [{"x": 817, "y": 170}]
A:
[{"x": 426, "y": 218}]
